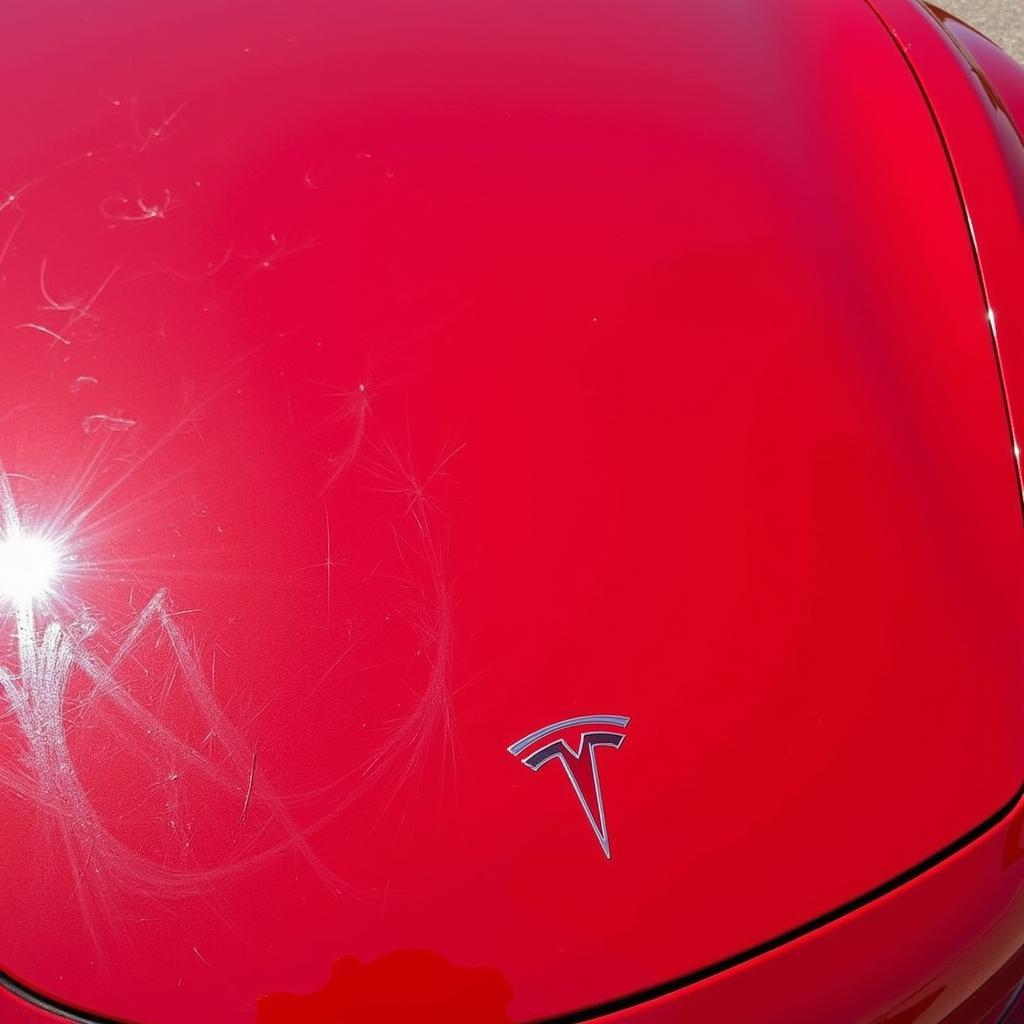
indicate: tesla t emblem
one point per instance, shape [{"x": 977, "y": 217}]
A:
[{"x": 580, "y": 763}]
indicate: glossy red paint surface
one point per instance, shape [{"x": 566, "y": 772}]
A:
[
  {"x": 923, "y": 954},
  {"x": 1001, "y": 77},
  {"x": 423, "y": 377},
  {"x": 979, "y": 102}
]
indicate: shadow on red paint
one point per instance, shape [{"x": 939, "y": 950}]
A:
[
  {"x": 406, "y": 987},
  {"x": 1014, "y": 848}
]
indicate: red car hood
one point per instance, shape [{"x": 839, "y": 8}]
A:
[{"x": 394, "y": 381}]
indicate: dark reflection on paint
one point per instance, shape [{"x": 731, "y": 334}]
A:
[
  {"x": 405, "y": 987},
  {"x": 964, "y": 35},
  {"x": 1013, "y": 849},
  {"x": 914, "y": 1011}
]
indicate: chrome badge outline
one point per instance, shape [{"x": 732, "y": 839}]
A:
[{"x": 560, "y": 749}]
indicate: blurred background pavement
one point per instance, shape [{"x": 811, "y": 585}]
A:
[{"x": 1001, "y": 20}]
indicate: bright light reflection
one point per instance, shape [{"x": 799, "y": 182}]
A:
[{"x": 27, "y": 567}]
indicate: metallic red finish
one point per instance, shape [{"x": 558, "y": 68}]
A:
[{"x": 424, "y": 376}]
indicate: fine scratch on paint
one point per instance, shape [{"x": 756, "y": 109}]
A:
[
  {"x": 105, "y": 421},
  {"x": 353, "y": 409},
  {"x": 149, "y": 135},
  {"x": 248, "y": 788},
  {"x": 281, "y": 250},
  {"x": 12, "y": 196},
  {"x": 76, "y": 310},
  {"x": 9, "y": 197},
  {"x": 431, "y": 719},
  {"x": 43, "y": 329},
  {"x": 423, "y": 735},
  {"x": 329, "y": 564},
  {"x": 64, "y": 676},
  {"x": 212, "y": 269},
  {"x": 121, "y": 208}
]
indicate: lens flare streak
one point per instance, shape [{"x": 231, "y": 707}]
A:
[{"x": 45, "y": 769}]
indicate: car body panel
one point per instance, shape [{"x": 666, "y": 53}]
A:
[
  {"x": 399, "y": 382},
  {"x": 1002, "y": 77},
  {"x": 977, "y": 94},
  {"x": 924, "y": 953}
]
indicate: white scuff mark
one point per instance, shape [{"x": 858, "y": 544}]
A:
[
  {"x": 148, "y": 134},
  {"x": 81, "y": 382},
  {"x": 131, "y": 211},
  {"x": 56, "y": 642},
  {"x": 430, "y": 721},
  {"x": 354, "y": 408},
  {"x": 425, "y": 731},
  {"x": 107, "y": 421},
  {"x": 75, "y": 311},
  {"x": 248, "y": 788},
  {"x": 79, "y": 518},
  {"x": 10, "y": 198},
  {"x": 43, "y": 329},
  {"x": 281, "y": 251}
]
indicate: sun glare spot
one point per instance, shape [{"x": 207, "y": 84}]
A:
[{"x": 27, "y": 567}]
